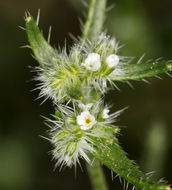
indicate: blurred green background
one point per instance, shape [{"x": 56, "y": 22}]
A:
[{"x": 143, "y": 26}]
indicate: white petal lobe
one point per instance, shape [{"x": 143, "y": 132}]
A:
[
  {"x": 112, "y": 60},
  {"x": 85, "y": 120},
  {"x": 92, "y": 62}
]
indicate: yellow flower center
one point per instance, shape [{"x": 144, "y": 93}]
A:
[{"x": 88, "y": 121}]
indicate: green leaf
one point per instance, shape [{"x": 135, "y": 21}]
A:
[
  {"x": 112, "y": 156},
  {"x": 95, "y": 20},
  {"x": 134, "y": 71},
  {"x": 43, "y": 52}
]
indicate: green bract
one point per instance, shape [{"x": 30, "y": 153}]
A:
[{"x": 141, "y": 70}]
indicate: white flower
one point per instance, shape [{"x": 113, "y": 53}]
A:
[
  {"x": 85, "y": 120},
  {"x": 112, "y": 60},
  {"x": 85, "y": 107},
  {"x": 92, "y": 62},
  {"x": 105, "y": 114}
]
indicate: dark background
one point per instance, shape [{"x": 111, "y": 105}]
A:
[{"x": 143, "y": 26}]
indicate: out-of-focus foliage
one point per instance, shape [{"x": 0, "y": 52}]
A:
[{"x": 156, "y": 146}]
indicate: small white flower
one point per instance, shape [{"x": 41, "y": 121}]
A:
[
  {"x": 85, "y": 120},
  {"x": 85, "y": 107},
  {"x": 105, "y": 114},
  {"x": 92, "y": 62},
  {"x": 112, "y": 60}
]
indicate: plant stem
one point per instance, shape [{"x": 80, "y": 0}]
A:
[
  {"x": 97, "y": 176},
  {"x": 92, "y": 28},
  {"x": 95, "y": 20}
]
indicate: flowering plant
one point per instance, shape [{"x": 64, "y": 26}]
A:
[{"x": 83, "y": 126}]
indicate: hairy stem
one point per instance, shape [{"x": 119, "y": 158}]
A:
[
  {"x": 93, "y": 27},
  {"x": 95, "y": 20},
  {"x": 97, "y": 176}
]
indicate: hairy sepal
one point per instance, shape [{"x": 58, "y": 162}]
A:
[{"x": 69, "y": 146}]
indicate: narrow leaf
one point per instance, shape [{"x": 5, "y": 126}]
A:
[
  {"x": 43, "y": 52},
  {"x": 134, "y": 71},
  {"x": 112, "y": 156}
]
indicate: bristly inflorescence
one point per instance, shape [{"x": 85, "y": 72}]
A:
[
  {"x": 93, "y": 64},
  {"x": 81, "y": 77},
  {"x": 73, "y": 128},
  {"x": 76, "y": 82},
  {"x": 88, "y": 66}
]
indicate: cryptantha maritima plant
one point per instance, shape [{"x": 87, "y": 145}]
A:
[{"x": 83, "y": 126}]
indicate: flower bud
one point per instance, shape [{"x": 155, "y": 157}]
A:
[
  {"x": 112, "y": 60},
  {"x": 92, "y": 62}
]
